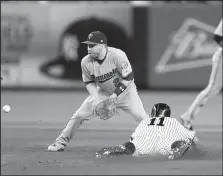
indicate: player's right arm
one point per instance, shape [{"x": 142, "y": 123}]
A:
[{"x": 88, "y": 79}]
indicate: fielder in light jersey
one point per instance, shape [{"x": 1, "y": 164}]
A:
[
  {"x": 107, "y": 72},
  {"x": 160, "y": 135},
  {"x": 214, "y": 86}
]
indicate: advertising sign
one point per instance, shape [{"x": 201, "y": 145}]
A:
[{"x": 181, "y": 45}]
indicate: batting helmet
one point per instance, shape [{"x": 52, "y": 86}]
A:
[{"x": 161, "y": 109}]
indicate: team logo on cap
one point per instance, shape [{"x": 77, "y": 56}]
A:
[{"x": 90, "y": 36}]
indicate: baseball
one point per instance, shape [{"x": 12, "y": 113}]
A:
[{"x": 6, "y": 108}]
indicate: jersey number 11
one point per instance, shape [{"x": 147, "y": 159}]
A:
[{"x": 154, "y": 120}]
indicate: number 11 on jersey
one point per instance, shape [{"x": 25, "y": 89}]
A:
[{"x": 157, "y": 121}]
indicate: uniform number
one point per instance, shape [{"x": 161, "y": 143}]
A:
[{"x": 157, "y": 121}]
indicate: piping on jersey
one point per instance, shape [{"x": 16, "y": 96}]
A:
[{"x": 105, "y": 77}]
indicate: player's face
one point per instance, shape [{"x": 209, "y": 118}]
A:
[{"x": 94, "y": 50}]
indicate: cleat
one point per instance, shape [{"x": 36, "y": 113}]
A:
[
  {"x": 180, "y": 150},
  {"x": 111, "y": 151},
  {"x": 56, "y": 147},
  {"x": 103, "y": 153}
]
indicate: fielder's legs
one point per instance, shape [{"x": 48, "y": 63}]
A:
[
  {"x": 132, "y": 104},
  {"x": 213, "y": 88},
  {"x": 85, "y": 112}
]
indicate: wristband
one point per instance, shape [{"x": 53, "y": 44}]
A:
[{"x": 120, "y": 88}]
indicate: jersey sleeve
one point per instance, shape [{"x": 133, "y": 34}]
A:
[
  {"x": 86, "y": 76},
  {"x": 123, "y": 65}
]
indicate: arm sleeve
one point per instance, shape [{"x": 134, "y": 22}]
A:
[{"x": 123, "y": 64}]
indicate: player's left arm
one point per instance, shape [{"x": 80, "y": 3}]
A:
[{"x": 125, "y": 70}]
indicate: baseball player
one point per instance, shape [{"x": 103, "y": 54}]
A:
[
  {"x": 157, "y": 135},
  {"x": 214, "y": 86},
  {"x": 107, "y": 73}
]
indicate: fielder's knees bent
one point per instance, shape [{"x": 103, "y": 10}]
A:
[{"x": 79, "y": 116}]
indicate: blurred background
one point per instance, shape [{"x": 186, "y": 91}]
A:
[{"x": 169, "y": 43}]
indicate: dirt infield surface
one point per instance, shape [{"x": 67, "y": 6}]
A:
[{"x": 37, "y": 118}]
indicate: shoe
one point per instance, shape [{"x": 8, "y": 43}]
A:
[
  {"x": 180, "y": 150},
  {"x": 103, "y": 153},
  {"x": 56, "y": 147},
  {"x": 111, "y": 151}
]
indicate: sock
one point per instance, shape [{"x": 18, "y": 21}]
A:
[{"x": 69, "y": 131}]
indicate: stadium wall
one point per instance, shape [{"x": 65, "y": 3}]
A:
[{"x": 169, "y": 45}]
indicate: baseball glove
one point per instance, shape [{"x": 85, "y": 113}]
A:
[{"x": 106, "y": 109}]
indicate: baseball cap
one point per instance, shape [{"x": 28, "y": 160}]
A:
[{"x": 96, "y": 37}]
